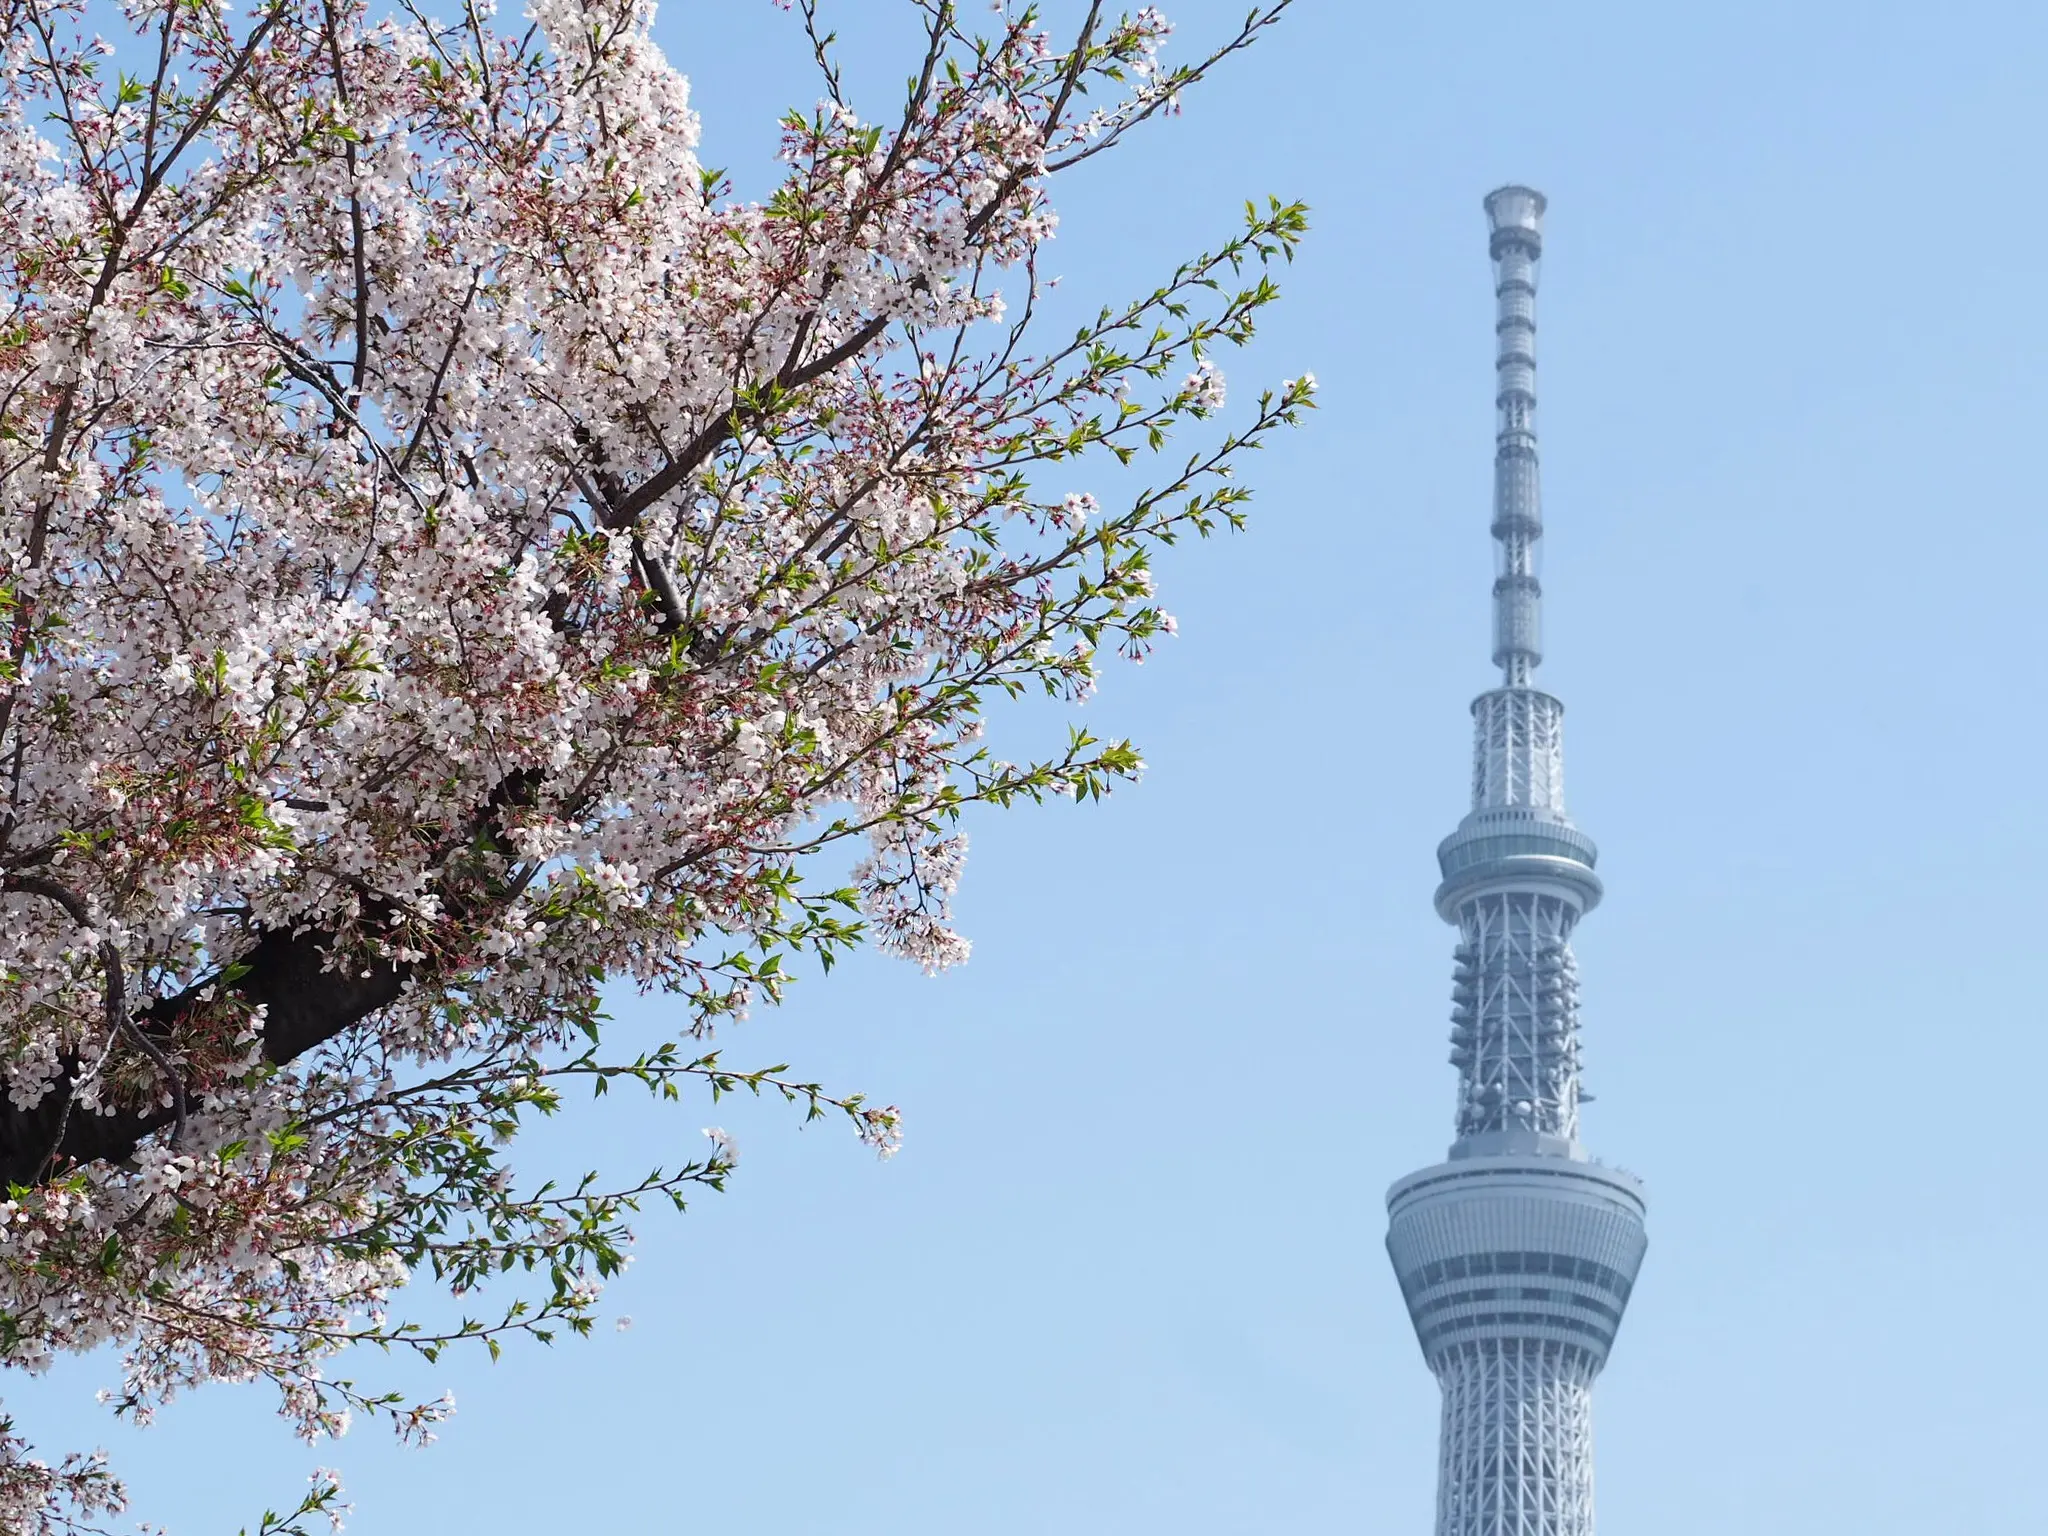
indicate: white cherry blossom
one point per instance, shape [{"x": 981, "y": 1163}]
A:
[{"x": 455, "y": 553}]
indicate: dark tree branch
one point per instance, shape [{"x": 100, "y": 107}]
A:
[
  {"x": 115, "y": 991},
  {"x": 311, "y": 985}
]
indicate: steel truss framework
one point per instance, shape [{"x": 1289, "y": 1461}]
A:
[
  {"x": 1518, "y": 751},
  {"x": 1515, "y": 1015},
  {"x": 1517, "y": 1255},
  {"x": 1517, "y": 1449}
]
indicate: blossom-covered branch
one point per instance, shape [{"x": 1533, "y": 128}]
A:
[{"x": 454, "y": 552}]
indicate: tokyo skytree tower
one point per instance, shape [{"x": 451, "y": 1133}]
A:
[{"x": 1517, "y": 1253}]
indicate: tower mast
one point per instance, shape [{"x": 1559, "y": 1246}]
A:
[{"x": 1517, "y": 1254}]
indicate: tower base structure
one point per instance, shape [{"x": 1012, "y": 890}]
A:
[{"x": 1516, "y": 1264}]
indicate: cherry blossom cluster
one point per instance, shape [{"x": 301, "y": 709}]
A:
[{"x": 454, "y": 553}]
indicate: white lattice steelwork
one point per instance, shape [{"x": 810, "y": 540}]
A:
[
  {"x": 1518, "y": 750},
  {"x": 1517, "y": 1450},
  {"x": 1515, "y": 1015},
  {"x": 1517, "y": 1255}
]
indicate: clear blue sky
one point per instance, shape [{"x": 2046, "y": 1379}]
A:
[{"x": 1127, "y": 1273}]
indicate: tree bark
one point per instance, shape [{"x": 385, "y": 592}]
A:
[{"x": 308, "y": 1002}]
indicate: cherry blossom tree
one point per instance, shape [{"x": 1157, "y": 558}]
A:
[{"x": 454, "y": 554}]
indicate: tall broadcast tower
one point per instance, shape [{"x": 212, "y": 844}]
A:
[{"x": 1517, "y": 1253}]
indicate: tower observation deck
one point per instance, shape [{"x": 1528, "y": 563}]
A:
[{"x": 1517, "y": 1254}]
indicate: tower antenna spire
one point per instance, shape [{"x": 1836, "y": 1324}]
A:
[
  {"x": 1517, "y": 1210},
  {"x": 1516, "y": 216}
]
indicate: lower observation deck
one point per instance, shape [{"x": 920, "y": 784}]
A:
[{"x": 1530, "y": 1248}]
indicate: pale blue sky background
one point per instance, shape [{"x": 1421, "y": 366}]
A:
[{"x": 1127, "y": 1275}]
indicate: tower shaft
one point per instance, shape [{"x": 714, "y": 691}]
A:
[
  {"x": 1517, "y": 1447},
  {"x": 1517, "y": 1255}
]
